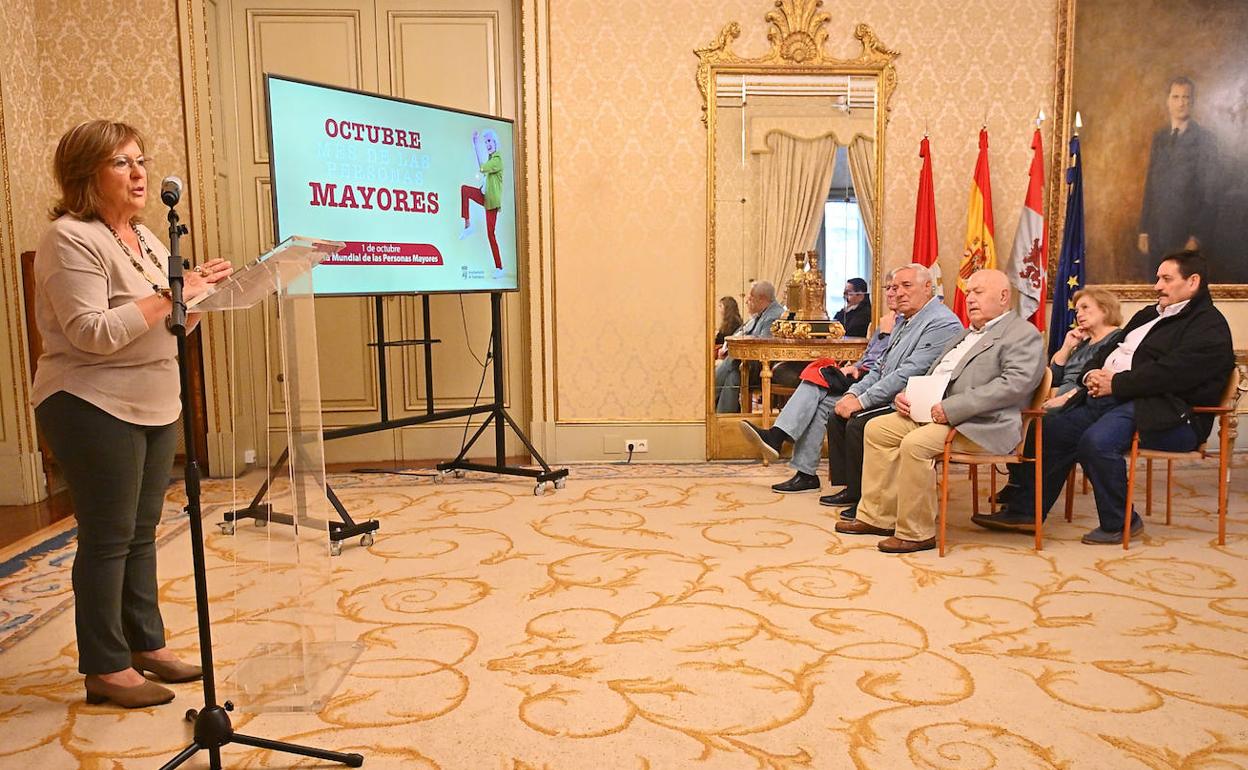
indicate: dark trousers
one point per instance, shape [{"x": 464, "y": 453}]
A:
[
  {"x": 845, "y": 449},
  {"x": 117, "y": 473},
  {"x": 1097, "y": 435}
]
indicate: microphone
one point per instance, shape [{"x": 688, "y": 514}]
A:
[{"x": 171, "y": 190}]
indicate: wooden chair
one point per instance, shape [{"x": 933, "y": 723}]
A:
[
  {"x": 1224, "y": 412},
  {"x": 1031, "y": 418}
]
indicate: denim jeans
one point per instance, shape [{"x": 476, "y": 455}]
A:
[
  {"x": 805, "y": 418},
  {"x": 1097, "y": 435}
]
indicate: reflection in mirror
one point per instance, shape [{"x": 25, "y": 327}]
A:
[
  {"x": 795, "y": 156},
  {"x": 790, "y": 152}
]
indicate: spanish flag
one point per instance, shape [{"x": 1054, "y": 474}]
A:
[{"x": 981, "y": 249}]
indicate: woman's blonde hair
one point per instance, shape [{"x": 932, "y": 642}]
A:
[
  {"x": 1106, "y": 300},
  {"x": 81, "y": 153}
]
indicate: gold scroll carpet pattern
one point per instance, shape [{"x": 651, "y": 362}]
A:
[{"x": 688, "y": 617}]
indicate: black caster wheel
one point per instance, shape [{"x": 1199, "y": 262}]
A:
[
  {"x": 366, "y": 539},
  {"x": 227, "y": 527},
  {"x": 560, "y": 483}
]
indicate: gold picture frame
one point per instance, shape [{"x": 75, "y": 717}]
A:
[{"x": 1104, "y": 39}]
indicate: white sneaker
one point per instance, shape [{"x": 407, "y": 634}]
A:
[{"x": 467, "y": 231}]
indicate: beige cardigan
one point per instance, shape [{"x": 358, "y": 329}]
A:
[{"x": 96, "y": 345}]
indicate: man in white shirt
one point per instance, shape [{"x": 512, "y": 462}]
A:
[
  {"x": 993, "y": 369},
  {"x": 1174, "y": 356}
]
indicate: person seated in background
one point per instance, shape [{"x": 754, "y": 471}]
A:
[
  {"x": 992, "y": 369},
  {"x": 1097, "y": 318},
  {"x": 1172, "y": 356},
  {"x": 923, "y": 329},
  {"x": 729, "y": 319},
  {"x": 761, "y": 302},
  {"x": 856, "y": 315}
]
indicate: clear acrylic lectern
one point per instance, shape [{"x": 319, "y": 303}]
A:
[{"x": 276, "y": 620}]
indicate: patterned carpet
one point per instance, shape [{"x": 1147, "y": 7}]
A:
[{"x": 650, "y": 617}]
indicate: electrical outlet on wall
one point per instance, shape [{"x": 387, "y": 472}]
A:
[
  {"x": 637, "y": 445},
  {"x": 249, "y": 456}
]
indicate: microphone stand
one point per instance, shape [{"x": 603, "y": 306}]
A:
[{"x": 212, "y": 724}]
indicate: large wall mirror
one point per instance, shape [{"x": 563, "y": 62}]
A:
[{"x": 795, "y": 162}]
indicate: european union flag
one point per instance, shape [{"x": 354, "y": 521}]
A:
[{"x": 1070, "y": 265}]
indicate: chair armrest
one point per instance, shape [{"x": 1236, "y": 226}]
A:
[
  {"x": 1029, "y": 412},
  {"x": 1212, "y": 409}
]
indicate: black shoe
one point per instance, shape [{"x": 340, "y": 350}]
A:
[
  {"x": 1006, "y": 521},
  {"x": 850, "y": 513},
  {"x": 801, "y": 482},
  {"x": 1005, "y": 494},
  {"x": 1101, "y": 536},
  {"x": 769, "y": 442},
  {"x": 840, "y": 498}
]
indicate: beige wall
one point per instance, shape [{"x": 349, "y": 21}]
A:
[{"x": 115, "y": 59}]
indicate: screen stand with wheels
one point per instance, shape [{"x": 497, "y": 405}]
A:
[{"x": 499, "y": 417}]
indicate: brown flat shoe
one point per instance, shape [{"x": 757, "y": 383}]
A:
[
  {"x": 171, "y": 671},
  {"x": 859, "y": 527},
  {"x": 897, "y": 545},
  {"x": 136, "y": 697}
]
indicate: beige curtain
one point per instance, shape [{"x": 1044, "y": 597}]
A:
[
  {"x": 795, "y": 177},
  {"x": 861, "y": 154}
]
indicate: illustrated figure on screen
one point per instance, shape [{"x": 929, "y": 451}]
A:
[{"x": 489, "y": 195}]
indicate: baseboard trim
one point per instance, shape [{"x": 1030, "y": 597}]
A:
[{"x": 581, "y": 442}]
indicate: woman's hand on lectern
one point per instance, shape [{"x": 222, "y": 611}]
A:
[{"x": 215, "y": 270}]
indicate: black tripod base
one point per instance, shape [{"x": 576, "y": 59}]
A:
[{"x": 213, "y": 730}]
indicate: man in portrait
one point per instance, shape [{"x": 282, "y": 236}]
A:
[{"x": 1179, "y": 187}]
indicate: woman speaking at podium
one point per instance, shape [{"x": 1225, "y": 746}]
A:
[{"x": 106, "y": 398}]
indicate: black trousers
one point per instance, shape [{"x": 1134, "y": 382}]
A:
[
  {"x": 845, "y": 449},
  {"x": 117, "y": 473}
]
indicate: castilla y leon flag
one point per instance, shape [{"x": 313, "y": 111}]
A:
[
  {"x": 981, "y": 249},
  {"x": 1029, "y": 258},
  {"x": 926, "y": 250}
]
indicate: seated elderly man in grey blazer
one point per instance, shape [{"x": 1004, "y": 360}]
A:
[
  {"x": 763, "y": 307},
  {"x": 993, "y": 369},
  {"x": 924, "y": 330}
]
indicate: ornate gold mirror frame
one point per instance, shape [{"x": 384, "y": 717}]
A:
[{"x": 797, "y": 31}]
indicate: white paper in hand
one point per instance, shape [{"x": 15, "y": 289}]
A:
[{"x": 923, "y": 392}]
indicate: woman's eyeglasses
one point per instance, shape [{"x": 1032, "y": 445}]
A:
[{"x": 124, "y": 162}]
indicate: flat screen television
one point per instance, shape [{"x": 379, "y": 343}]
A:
[{"x": 423, "y": 196}]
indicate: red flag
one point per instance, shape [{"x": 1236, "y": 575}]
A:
[
  {"x": 926, "y": 250},
  {"x": 981, "y": 247},
  {"x": 1029, "y": 259}
]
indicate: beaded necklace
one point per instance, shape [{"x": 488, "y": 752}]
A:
[{"x": 156, "y": 287}]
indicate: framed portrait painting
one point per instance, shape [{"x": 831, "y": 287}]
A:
[{"x": 1162, "y": 90}]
